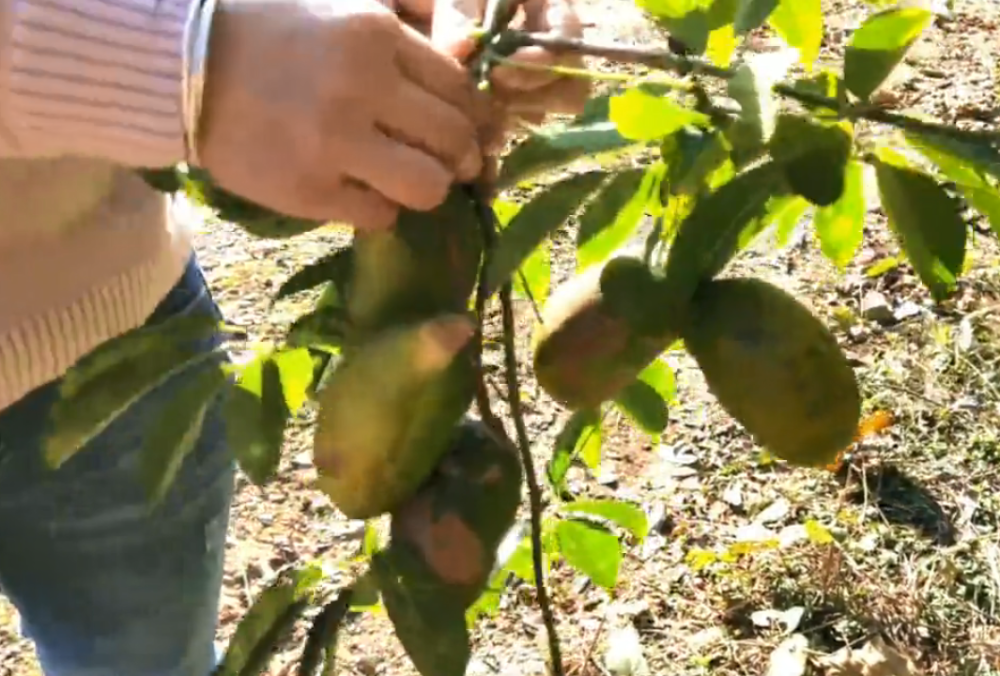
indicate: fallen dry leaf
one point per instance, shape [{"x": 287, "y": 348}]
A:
[
  {"x": 874, "y": 659},
  {"x": 790, "y": 657}
]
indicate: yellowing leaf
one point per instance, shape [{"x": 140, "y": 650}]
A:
[
  {"x": 699, "y": 559},
  {"x": 610, "y": 218},
  {"x": 642, "y": 116},
  {"x": 591, "y": 549},
  {"x": 817, "y": 533},
  {"x": 800, "y": 24},
  {"x": 879, "y": 45},
  {"x": 721, "y": 45},
  {"x": 839, "y": 226}
]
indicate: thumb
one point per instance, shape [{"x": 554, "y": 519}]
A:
[{"x": 453, "y": 25}]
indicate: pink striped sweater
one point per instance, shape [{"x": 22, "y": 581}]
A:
[{"x": 88, "y": 89}]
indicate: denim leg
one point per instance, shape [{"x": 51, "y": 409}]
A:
[{"x": 105, "y": 585}]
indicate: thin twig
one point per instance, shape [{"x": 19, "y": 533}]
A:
[
  {"x": 498, "y": 14},
  {"x": 487, "y": 230},
  {"x": 662, "y": 59},
  {"x": 534, "y": 490}
]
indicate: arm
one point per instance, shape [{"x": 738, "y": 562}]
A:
[{"x": 100, "y": 78}]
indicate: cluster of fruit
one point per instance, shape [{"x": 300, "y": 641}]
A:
[
  {"x": 392, "y": 434},
  {"x": 771, "y": 364}
]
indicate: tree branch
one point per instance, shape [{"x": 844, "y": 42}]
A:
[{"x": 662, "y": 59}]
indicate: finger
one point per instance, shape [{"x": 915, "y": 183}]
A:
[
  {"x": 351, "y": 203},
  {"x": 434, "y": 71},
  {"x": 405, "y": 175},
  {"x": 453, "y": 22},
  {"x": 430, "y": 124},
  {"x": 557, "y": 18},
  {"x": 566, "y": 96}
]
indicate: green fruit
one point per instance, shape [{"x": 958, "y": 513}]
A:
[
  {"x": 599, "y": 331},
  {"x": 775, "y": 368},
  {"x": 456, "y": 521},
  {"x": 426, "y": 265},
  {"x": 387, "y": 413}
]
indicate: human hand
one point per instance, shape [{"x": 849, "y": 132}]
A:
[
  {"x": 335, "y": 110},
  {"x": 531, "y": 92}
]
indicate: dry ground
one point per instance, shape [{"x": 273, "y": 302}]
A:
[{"x": 916, "y": 510}]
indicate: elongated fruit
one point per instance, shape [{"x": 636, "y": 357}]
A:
[
  {"x": 388, "y": 413},
  {"x": 456, "y": 521},
  {"x": 775, "y": 368},
  {"x": 425, "y": 266},
  {"x": 599, "y": 331}
]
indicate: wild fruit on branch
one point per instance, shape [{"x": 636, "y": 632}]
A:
[
  {"x": 388, "y": 411},
  {"x": 775, "y": 368},
  {"x": 598, "y": 331}
]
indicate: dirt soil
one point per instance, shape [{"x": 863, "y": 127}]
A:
[{"x": 915, "y": 508}]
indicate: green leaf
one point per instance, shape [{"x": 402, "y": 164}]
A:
[
  {"x": 969, "y": 175},
  {"x": 660, "y": 377},
  {"x": 824, "y": 83},
  {"x": 256, "y": 219},
  {"x": 785, "y": 213},
  {"x": 800, "y": 24},
  {"x": 987, "y": 202},
  {"x": 557, "y": 146},
  {"x": 692, "y": 22},
  {"x": 673, "y": 9},
  {"x": 295, "y": 367},
  {"x": 622, "y": 514},
  {"x": 877, "y": 47},
  {"x": 428, "y": 622},
  {"x": 644, "y": 406},
  {"x": 691, "y": 156},
  {"x": 983, "y": 157},
  {"x": 537, "y": 272},
  {"x": 325, "y": 327},
  {"x": 686, "y": 20},
  {"x": 172, "y": 437},
  {"x": 319, "y": 654},
  {"x": 609, "y": 219},
  {"x": 256, "y": 414},
  {"x": 926, "y": 221},
  {"x": 334, "y": 267},
  {"x": 751, "y": 87},
  {"x": 365, "y": 595},
  {"x": 722, "y": 43},
  {"x": 535, "y": 221},
  {"x": 643, "y": 116},
  {"x": 268, "y": 621},
  {"x": 135, "y": 344},
  {"x": 111, "y": 379},
  {"x": 162, "y": 180},
  {"x": 710, "y": 235},
  {"x": 752, "y": 14},
  {"x": 579, "y": 437},
  {"x": 840, "y": 226},
  {"x": 814, "y": 156},
  {"x": 593, "y": 550}
]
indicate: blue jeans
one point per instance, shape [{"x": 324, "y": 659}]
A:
[{"x": 105, "y": 586}]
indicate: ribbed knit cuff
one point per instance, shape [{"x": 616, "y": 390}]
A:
[{"x": 99, "y": 78}]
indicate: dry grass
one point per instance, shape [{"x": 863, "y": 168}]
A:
[{"x": 914, "y": 512}]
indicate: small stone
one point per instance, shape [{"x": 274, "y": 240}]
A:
[
  {"x": 906, "y": 310},
  {"x": 875, "y": 307}
]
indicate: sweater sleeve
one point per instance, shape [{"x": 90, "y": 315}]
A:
[{"x": 96, "y": 78}]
